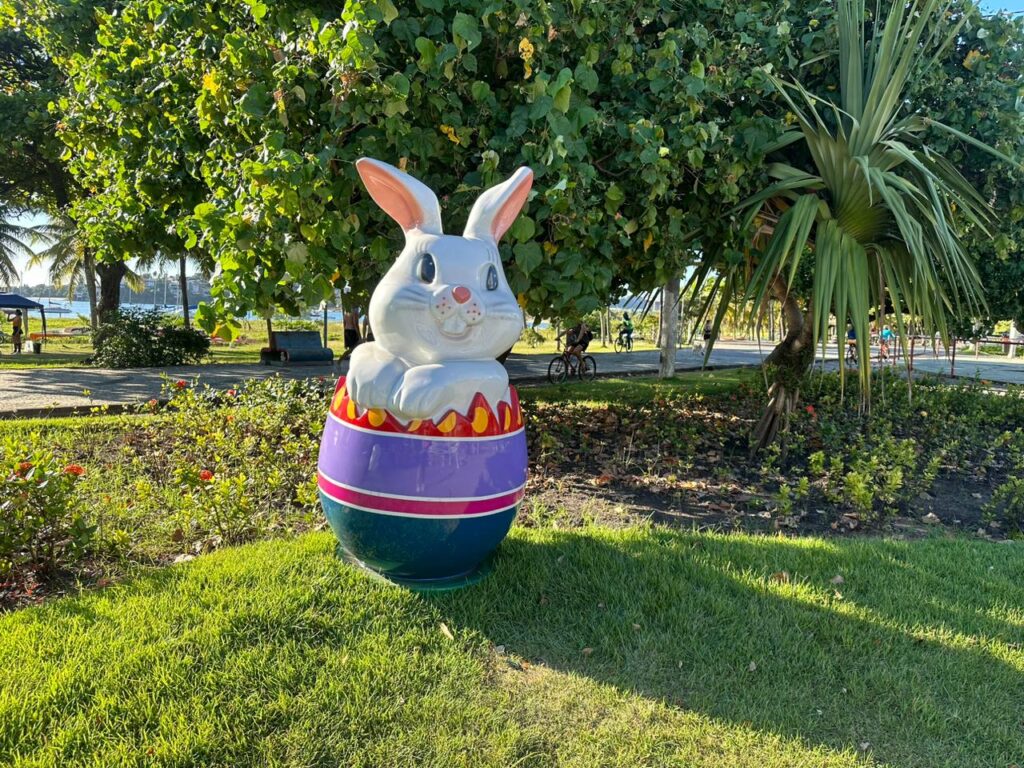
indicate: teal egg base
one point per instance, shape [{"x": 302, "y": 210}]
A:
[{"x": 444, "y": 584}]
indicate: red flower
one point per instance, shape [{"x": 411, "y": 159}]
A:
[
  {"x": 232, "y": 392},
  {"x": 180, "y": 384},
  {"x": 23, "y": 468},
  {"x": 205, "y": 475},
  {"x": 74, "y": 469},
  {"x": 810, "y": 410}
]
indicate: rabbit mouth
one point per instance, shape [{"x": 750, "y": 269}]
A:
[{"x": 455, "y": 328}]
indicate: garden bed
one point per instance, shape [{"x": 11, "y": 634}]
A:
[{"x": 218, "y": 468}]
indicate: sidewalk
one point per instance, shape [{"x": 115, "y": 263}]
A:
[{"x": 37, "y": 390}]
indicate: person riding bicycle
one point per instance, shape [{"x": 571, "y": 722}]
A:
[
  {"x": 885, "y": 339},
  {"x": 626, "y": 330},
  {"x": 577, "y": 339}
]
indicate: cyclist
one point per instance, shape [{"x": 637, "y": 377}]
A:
[
  {"x": 883, "y": 342},
  {"x": 577, "y": 339},
  {"x": 626, "y": 331}
]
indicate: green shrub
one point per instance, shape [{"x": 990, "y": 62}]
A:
[
  {"x": 41, "y": 523},
  {"x": 141, "y": 338},
  {"x": 531, "y": 337}
]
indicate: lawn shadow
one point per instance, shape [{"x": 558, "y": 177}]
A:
[{"x": 921, "y": 662}]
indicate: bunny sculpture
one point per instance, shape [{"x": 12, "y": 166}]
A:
[
  {"x": 444, "y": 311},
  {"x": 423, "y": 459}
]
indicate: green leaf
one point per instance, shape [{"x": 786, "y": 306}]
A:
[
  {"x": 427, "y": 51},
  {"x": 481, "y": 91},
  {"x": 561, "y": 100},
  {"x": 528, "y": 256},
  {"x": 522, "y": 229},
  {"x": 387, "y": 10},
  {"x": 466, "y": 31}
]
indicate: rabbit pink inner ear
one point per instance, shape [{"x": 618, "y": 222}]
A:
[
  {"x": 400, "y": 196},
  {"x": 512, "y": 205}
]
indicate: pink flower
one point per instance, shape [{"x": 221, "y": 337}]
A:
[{"x": 232, "y": 392}]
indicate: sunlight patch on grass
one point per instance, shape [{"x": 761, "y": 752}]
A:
[{"x": 628, "y": 647}]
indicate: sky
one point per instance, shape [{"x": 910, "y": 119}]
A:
[{"x": 38, "y": 274}]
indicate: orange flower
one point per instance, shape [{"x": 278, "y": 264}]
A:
[
  {"x": 205, "y": 475},
  {"x": 74, "y": 469},
  {"x": 23, "y": 468},
  {"x": 153, "y": 403}
]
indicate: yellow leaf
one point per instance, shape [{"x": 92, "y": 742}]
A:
[
  {"x": 210, "y": 83},
  {"x": 648, "y": 240}
]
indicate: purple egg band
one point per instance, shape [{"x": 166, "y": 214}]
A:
[{"x": 400, "y": 465}]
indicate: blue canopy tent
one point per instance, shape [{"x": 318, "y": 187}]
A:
[{"x": 12, "y": 301}]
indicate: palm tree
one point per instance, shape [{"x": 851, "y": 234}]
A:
[
  {"x": 875, "y": 213},
  {"x": 71, "y": 260},
  {"x": 13, "y": 242}
]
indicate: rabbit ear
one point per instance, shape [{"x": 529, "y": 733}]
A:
[
  {"x": 496, "y": 209},
  {"x": 408, "y": 201}
]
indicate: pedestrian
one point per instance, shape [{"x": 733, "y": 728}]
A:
[
  {"x": 17, "y": 329},
  {"x": 350, "y": 322}
]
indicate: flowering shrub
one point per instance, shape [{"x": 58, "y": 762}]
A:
[{"x": 41, "y": 523}]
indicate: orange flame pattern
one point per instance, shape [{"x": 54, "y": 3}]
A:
[{"x": 479, "y": 421}]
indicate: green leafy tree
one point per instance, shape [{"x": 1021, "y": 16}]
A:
[
  {"x": 231, "y": 129},
  {"x": 14, "y": 240},
  {"x": 862, "y": 212}
]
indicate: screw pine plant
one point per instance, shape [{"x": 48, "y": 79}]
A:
[{"x": 861, "y": 214}]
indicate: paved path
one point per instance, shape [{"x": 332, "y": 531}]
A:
[{"x": 24, "y": 390}]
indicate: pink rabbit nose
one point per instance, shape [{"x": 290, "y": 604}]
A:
[{"x": 461, "y": 294}]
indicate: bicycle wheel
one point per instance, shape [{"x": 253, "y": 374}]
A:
[
  {"x": 557, "y": 370},
  {"x": 620, "y": 345},
  {"x": 588, "y": 370}
]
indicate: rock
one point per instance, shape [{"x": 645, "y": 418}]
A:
[
  {"x": 931, "y": 518},
  {"x": 183, "y": 559}
]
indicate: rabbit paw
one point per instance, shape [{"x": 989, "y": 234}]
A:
[
  {"x": 372, "y": 376},
  {"x": 418, "y": 395}
]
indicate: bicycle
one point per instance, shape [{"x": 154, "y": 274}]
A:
[
  {"x": 624, "y": 342},
  {"x": 566, "y": 364}
]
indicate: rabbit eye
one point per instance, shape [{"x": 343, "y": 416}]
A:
[
  {"x": 427, "y": 270},
  {"x": 492, "y": 279}
]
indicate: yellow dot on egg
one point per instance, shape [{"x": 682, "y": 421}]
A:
[
  {"x": 448, "y": 424},
  {"x": 338, "y": 398},
  {"x": 351, "y": 410},
  {"x": 376, "y": 417},
  {"x": 508, "y": 418},
  {"x": 414, "y": 425},
  {"x": 480, "y": 419}
]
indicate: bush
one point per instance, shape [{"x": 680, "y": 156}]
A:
[
  {"x": 41, "y": 524},
  {"x": 136, "y": 339}
]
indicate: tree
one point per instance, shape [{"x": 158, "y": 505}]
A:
[
  {"x": 232, "y": 128},
  {"x": 13, "y": 242},
  {"x": 36, "y": 41},
  {"x": 858, "y": 191}
]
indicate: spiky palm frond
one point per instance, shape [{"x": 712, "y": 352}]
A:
[
  {"x": 881, "y": 213},
  {"x": 14, "y": 240},
  {"x": 65, "y": 253}
]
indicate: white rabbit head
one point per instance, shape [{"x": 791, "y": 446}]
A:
[{"x": 445, "y": 297}]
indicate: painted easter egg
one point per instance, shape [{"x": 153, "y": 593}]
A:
[{"x": 426, "y": 500}]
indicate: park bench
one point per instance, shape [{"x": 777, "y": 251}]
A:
[{"x": 294, "y": 347}]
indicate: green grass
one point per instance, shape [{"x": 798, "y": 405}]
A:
[{"x": 706, "y": 650}]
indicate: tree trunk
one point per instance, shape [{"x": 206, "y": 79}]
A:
[
  {"x": 89, "y": 262},
  {"x": 183, "y": 284},
  {"x": 110, "y": 275},
  {"x": 786, "y": 365},
  {"x": 669, "y": 317}
]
